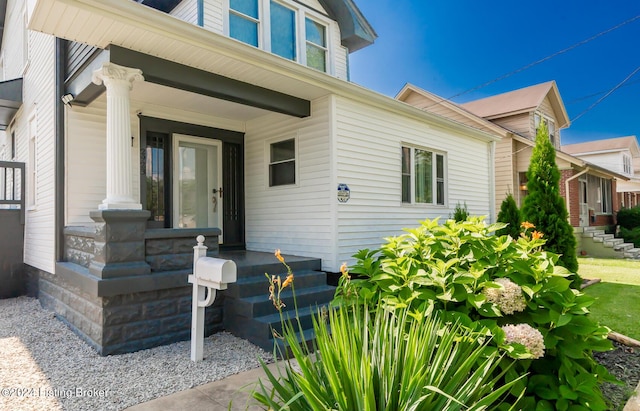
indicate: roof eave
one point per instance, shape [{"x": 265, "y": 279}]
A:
[{"x": 355, "y": 30}]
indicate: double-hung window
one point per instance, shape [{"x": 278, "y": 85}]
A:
[
  {"x": 423, "y": 176},
  {"x": 244, "y": 21},
  {"x": 282, "y": 163},
  {"x": 551, "y": 127},
  {"x": 283, "y": 31},
  {"x": 316, "y": 44}
]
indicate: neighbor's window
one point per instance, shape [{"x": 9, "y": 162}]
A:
[
  {"x": 316, "y": 45},
  {"x": 626, "y": 163},
  {"x": 423, "y": 176},
  {"x": 282, "y": 163},
  {"x": 604, "y": 193},
  {"x": 244, "y": 21},
  {"x": 283, "y": 31},
  {"x": 551, "y": 126}
]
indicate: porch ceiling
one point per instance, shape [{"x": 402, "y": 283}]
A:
[{"x": 136, "y": 27}]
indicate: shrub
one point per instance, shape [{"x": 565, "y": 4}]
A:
[
  {"x": 629, "y": 217},
  {"x": 460, "y": 213},
  {"x": 464, "y": 274},
  {"x": 510, "y": 214},
  {"x": 545, "y": 208},
  {"x": 375, "y": 359},
  {"x": 631, "y": 235}
]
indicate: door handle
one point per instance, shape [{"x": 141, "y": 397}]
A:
[{"x": 217, "y": 191}]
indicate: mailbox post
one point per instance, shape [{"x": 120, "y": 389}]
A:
[{"x": 209, "y": 275}]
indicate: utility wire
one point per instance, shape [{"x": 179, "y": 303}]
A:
[
  {"x": 535, "y": 63},
  {"x": 617, "y": 86},
  {"x": 579, "y": 99}
]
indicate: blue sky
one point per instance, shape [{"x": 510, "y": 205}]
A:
[{"x": 450, "y": 46}]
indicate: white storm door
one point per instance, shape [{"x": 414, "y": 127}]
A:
[{"x": 197, "y": 176}]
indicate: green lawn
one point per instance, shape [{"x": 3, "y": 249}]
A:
[{"x": 618, "y": 295}]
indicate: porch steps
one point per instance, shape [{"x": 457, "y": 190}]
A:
[
  {"x": 599, "y": 244},
  {"x": 248, "y": 312}
]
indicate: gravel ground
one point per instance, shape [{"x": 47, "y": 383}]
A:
[
  {"x": 624, "y": 363},
  {"x": 45, "y": 366}
]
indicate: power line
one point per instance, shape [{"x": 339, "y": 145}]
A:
[
  {"x": 617, "y": 86},
  {"x": 579, "y": 99},
  {"x": 535, "y": 63}
]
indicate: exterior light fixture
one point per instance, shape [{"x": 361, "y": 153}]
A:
[{"x": 67, "y": 99}]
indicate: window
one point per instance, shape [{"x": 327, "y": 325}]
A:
[
  {"x": 283, "y": 31},
  {"x": 423, "y": 176},
  {"x": 282, "y": 163},
  {"x": 604, "y": 196},
  {"x": 13, "y": 144},
  {"x": 244, "y": 21},
  {"x": 551, "y": 126},
  {"x": 626, "y": 164},
  {"x": 284, "y": 27},
  {"x": 316, "y": 45}
]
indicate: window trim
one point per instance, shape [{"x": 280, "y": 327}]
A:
[
  {"x": 412, "y": 177},
  {"x": 547, "y": 119},
  {"x": 268, "y": 162},
  {"x": 302, "y": 12}
]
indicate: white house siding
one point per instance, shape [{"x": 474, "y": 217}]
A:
[
  {"x": 368, "y": 160},
  {"x": 213, "y": 16},
  {"x": 611, "y": 161},
  {"x": 38, "y": 107},
  {"x": 187, "y": 10},
  {"x": 296, "y": 219},
  {"x": 13, "y": 48},
  {"x": 505, "y": 176},
  {"x": 86, "y": 156}
]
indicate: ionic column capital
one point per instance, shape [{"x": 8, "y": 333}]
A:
[{"x": 112, "y": 73}]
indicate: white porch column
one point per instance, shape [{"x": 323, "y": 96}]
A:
[{"x": 118, "y": 80}]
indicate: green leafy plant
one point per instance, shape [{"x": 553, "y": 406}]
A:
[
  {"x": 460, "y": 213},
  {"x": 375, "y": 359},
  {"x": 492, "y": 284},
  {"x": 629, "y": 218},
  {"x": 510, "y": 214},
  {"x": 545, "y": 208}
]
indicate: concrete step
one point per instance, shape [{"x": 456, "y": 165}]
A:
[
  {"x": 601, "y": 238},
  {"x": 623, "y": 247},
  {"x": 632, "y": 253},
  {"x": 589, "y": 232},
  {"x": 260, "y": 305},
  {"x": 611, "y": 243},
  {"x": 258, "y": 284}
]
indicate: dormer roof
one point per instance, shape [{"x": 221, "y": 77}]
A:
[
  {"x": 520, "y": 101},
  {"x": 355, "y": 30}
]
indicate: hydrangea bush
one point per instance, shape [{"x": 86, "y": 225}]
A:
[{"x": 508, "y": 289}]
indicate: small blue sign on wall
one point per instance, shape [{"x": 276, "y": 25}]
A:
[{"x": 344, "y": 193}]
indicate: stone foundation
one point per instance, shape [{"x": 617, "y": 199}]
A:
[{"x": 123, "y": 288}]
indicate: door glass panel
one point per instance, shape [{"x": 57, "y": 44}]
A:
[
  {"x": 197, "y": 197},
  {"x": 155, "y": 176}
]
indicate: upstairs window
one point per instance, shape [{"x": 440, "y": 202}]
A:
[
  {"x": 551, "y": 127},
  {"x": 283, "y": 27},
  {"x": 423, "y": 176},
  {"x": 626, "y": 164},
  {"x": 316, "y": 45},
  {"x": 283, "y": 31},
  {"x": 282, "y": 163},
  {"x": 244, "y": 21}
]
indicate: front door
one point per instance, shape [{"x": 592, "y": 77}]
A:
[
  {"x": 584, "y": 206},
  {"x": 197, "y": 182}
]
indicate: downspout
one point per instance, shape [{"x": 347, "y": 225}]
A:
[
  {"x": 566, "y": 191},
  {"x": 59, "y": 151}
]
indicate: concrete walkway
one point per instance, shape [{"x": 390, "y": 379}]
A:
[{"x": 214, "y": 396}]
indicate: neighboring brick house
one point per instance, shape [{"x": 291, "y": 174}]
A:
[
  {"x": 621, "y": 155},
  {"x": 517, "y": 114}
]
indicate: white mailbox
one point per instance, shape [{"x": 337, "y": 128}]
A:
[
  {"x": 215, "y": 272},
  {"x": 209, "y": 275}
]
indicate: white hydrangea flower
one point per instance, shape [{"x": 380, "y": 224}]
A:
[
  {"x": 508, "y": 298},
  {"x": 526, "y": 335}
]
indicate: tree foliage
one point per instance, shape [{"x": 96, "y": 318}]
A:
[
  {"x": 545, "y": 208},
  {"x": 510, "y": 214}
]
